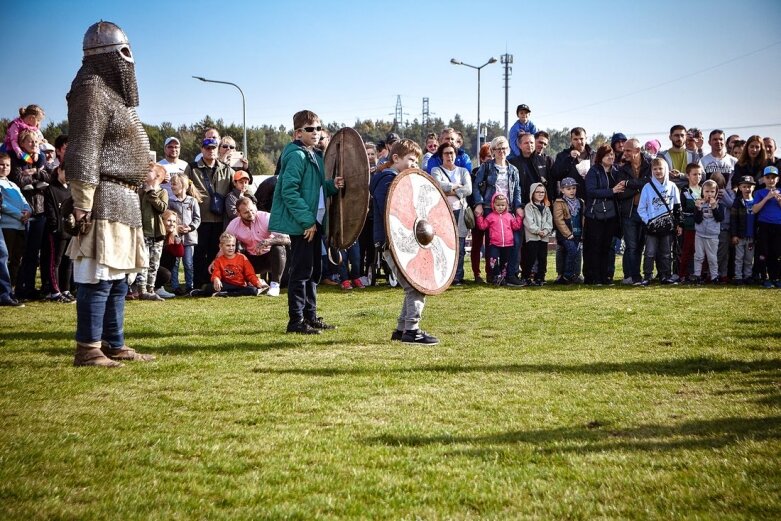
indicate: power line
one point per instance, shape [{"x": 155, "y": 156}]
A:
[
  {"x": 662, "y": 84},
  {"x": 665, "y": 132}
]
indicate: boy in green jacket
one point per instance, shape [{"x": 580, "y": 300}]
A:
[{"x": 299, "y": 210}]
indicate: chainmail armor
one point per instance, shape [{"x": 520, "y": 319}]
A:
[{"x": 107, "y": 145}]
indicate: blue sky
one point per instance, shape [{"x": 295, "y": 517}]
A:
[{"x": 701, "y": 63}]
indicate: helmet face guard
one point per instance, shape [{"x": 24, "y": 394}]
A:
[{"x": 104, "y": 37}]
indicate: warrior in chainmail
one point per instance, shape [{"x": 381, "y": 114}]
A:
[{"x": 107, "y": 160}]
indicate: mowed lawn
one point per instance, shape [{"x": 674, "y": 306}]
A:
[{"x": 540, "y": 403}]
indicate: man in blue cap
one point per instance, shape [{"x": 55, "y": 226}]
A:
[{"x": 617, "y": 144}]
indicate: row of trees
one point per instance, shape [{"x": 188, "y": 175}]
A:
[{"x": 266, "y": 142}]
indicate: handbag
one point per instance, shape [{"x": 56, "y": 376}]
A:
[
  {"x": 469, "y": 215},
  {"x": 662, "y": 224}
]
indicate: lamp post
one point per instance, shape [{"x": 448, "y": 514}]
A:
[
  {"x": 490, "y": 61},
  {"x": 243, "y": 109}
]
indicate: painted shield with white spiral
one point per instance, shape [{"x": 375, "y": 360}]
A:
[{"x": 421, "y": 230}]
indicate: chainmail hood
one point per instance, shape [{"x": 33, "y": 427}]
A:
[{"x": 116, "y": 72}]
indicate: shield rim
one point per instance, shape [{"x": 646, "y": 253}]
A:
[
  {"x": 331, "y": 235},
  {"x": 392, "y": 248}
]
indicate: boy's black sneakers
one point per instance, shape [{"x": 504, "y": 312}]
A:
[
  {"x": 397, "y": 334},
  {"x": 302, "y": 328},
  {"x": 416, "y": 336},
  {"x": 318, "y": 323}
]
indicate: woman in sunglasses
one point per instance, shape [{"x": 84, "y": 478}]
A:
[{"x": 228, "y": 155}]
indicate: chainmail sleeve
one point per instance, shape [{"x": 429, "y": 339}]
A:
[{"x": 88, "y": 118}]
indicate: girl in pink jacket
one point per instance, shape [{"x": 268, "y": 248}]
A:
[
  {"x": 500, "y": 225},
  {"x": 30, "y": 118}
]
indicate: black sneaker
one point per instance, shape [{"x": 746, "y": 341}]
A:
[
  {"x": 513, "y": 281},
  {"x": 11, "y": 303},
  {"x": 318, "y": 323},
  {"x": 197, "y": 293},
  {"x": 417, "y": 336},
  {"x": 396, "y": 335},
  {"x": 302, "y": 328}
]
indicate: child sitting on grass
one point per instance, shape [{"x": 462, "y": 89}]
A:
[{"x": 232, "y": 273}]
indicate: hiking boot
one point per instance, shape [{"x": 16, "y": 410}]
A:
[
  {"x": 302, "y": 328},
  {"x": 513, "y": 281},
  {"x": 124, "y": 353},
  {"x": 318, "y": 323},
  {"x": 90, "y": 355},
  {"x": 417, "y": 336}
]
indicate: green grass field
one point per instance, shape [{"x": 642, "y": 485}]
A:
[{"x": 544, "y": 403}]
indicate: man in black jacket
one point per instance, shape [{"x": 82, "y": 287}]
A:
[
  {"x": 574, "y": 162},
  {"x": 636, "y": 172}
]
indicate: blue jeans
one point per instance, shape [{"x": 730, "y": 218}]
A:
[
  {"x": 188, "y": 269},
  {"x": 514, "y": 263},
  {"x": 571, "y": 257},
  {"x": 461, "y": 252},
  {"x": 351, "y": 256},
  {"x": 100, "y": 312},
  {"x": 634, "y": 239},
  {"x": 6, "y": 291}
]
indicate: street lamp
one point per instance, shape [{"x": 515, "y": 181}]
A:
[
  {"x": 243, "y": 108},
  {"x": 490, "y": 61}
]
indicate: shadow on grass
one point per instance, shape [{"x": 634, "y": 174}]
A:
[
  {"x": 674, "y": 367},
  {"x": 696, "y": 434}
]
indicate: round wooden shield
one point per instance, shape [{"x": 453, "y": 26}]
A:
[
  {"x": 346, "y": 157},
  {"x": 422, "y": 233}
]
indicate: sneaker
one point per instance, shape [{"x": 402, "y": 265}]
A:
[
  {"x": 197, "y": 293},
  {"x": 180, "y": 291},
  {"x": 220, "y": 294},
  {"x": 346, "y": 284},
  {"x": 319, "y": 324},
  {"x": 302, "y": 328},
  {"x": 513, "y": 281},
  {"x": 646, "y": 282},
  {"x": 628, "y": 281},
  {"x": 777, "y": 283},
  {"x": 330, "y": 282},
  {"x": 479, "y": 280},
  {"x": 164, "y": 294},
  {"x": 396, "y": 335},
  {"x": 273, "y": 290},
  {"x": 668, "y": 281},
  {"x": 13, "y": 303},
  {"x": 417, "y": 336},
  {"x": 458, "y": 283},
  {"x": 357, "y": 284},
  {"x": 150, "y": 296},
  {"x": 767, "y": 284},
  {"x": 68, "y": 295}
]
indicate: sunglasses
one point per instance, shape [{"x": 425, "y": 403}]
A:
[
  {"x": 232, "y": 147},
  {"x": 312, "y": 129}
]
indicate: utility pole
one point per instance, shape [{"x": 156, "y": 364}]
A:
[
  {"x": 425, "y": 117},
  {"x": 507, "y": 59},
  {"x": 399, "y": 116}
]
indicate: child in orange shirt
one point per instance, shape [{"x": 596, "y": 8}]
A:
[{"x": 232, "y": 274}]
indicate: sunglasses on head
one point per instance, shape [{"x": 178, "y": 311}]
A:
[
  {"x": 232, "y": 147},
  {"x": 312, "y": 129}
]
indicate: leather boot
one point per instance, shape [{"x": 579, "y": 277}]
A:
[
  {"x": 89, "y": 354},
  {"x": 124, "y": 353}
]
